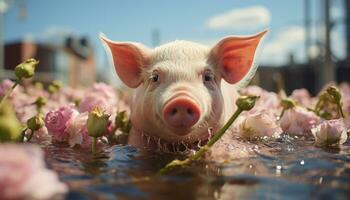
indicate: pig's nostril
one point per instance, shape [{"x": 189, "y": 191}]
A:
[
  {"x": 173, "y": 111},
  {"x": 190, "y": 111},
  {"x": 181, "y": 113}
]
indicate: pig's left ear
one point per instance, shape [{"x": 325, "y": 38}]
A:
[
  {"x": 234, "y": 56},
  {"x": 129, "y": 59}
]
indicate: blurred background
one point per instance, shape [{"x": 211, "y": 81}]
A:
[{"x": 308, "y": 44}]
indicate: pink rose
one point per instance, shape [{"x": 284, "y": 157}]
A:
[
  {"x": 4, "y": 86},
  {"x": 259, "y": 125},
  {"x": 90, "y": 101},
  {"x": 72, "y": 94},
  {"x": 302, "y": 96},
  {"x": 267, "y": 103},
  {"x": 252, "y": 90},
  {"x": 298, "y": 121},
  {"x": 23, "y": 174},
  {"x": 56, "y": 122},
  {"x": 330, "y": 132},
  {"x": 77, "y": 131},
  {"x": 105, "y": 90}
]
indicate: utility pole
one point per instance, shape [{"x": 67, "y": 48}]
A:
[
  {"x": 328, "y": 66},
  {"x": 307, "y": 24},
  {"x": 347, "y": 26},
  {"x": 3, "y": 8}
]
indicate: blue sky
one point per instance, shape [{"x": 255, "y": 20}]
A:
[{"x": 127, "y": 20}]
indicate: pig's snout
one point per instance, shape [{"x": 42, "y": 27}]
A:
[{"x": 181, "y": 113}]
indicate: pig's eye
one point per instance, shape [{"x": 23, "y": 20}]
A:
[
  {"x": 155, "y": 78},
  {"x": 208, "y": 77}
]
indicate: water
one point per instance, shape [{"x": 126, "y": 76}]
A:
[{"x": 289, "y": 169}]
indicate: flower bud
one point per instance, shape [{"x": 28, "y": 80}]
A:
[
  {"x": 40, "y": 102},
  {"x": 57, "y": 84},
  {"x": 246, "y": 102},
  {"x": 287, "y": 103},
  {"x": 121, "y": 119},
  {"x": 335, "y": 93},
  {"x": 51, "y": 89},
  {"x": 97, "y": 122},
  {"x": 36, "y": 122},
  {"x": 26, "y": 69},
  {"x": 325, "y": 97},
  {"x": 122, "y": 122},
  {"x": 39, "y": 85},
  {"x": 10, "y": 127}
]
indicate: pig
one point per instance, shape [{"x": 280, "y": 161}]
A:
[{"x": 183, "y": 91}]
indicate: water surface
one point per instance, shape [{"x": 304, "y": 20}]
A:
[{"x": 292, "y": 168}]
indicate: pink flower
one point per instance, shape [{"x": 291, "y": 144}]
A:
[
  {"x": 72, "y": 94},
  {"x": 93, "y": 100},
  {"x": 105, "y": 90},
  {"x": 4, "y": 86},
  {"x": 267, "y": 103},
  {"x": 77, "y": 130},
  {"x": 259, "y": 125},
  {"x": 56, "y": 122},
  {"x": 298, "y": 121},
  {"x": 100, "y": 95},
  {"x": 330, "y": 132},
  {"x": 302, "y": 96},
  {"x": 252, "y": 90},
  {"x": 347, "y": 122},
  {"x": 23, "y": 174}
]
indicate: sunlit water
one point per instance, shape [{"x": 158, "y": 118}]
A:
[{"x": 290, "y": 169}]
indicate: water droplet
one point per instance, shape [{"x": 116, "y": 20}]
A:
[
  {"x": 278, "y": 170},
  {"x": 320, "y": 180},
  {"x": 193, "y": 151},
  {"x": 290, "y": 148},
  {"x": 250, "y": 166}
]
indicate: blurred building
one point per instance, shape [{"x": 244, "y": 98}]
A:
[
  {"x": 291, "y": 77},
  {"x": 318, "y": 71},
  {"x": 69, "y": 63}
]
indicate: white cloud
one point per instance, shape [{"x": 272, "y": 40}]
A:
[
  {"x": 287, "y": 40},
  {"x": 241, "y": 19},
  {"x": 291, "y": 40}
]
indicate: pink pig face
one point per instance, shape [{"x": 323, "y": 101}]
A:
[{"x": 179, "y": 93}]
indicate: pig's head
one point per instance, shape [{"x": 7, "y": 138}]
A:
[{"x": 178, "y": 94}]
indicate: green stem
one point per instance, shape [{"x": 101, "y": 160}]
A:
[
  {"x": 317, "y": 107},
  {"x": 8, "y": 92},
  {"x": 93, "y": 147},
  {"x": 30, "y": 136},
  {"x": 216, "y": 136},
  {"x": 340, "y": 110},
  {"x": 282, "y": 113},
  {"x": 204, "y": 148}
]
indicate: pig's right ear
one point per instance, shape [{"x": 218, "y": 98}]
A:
[
  {"x": 128, "y": 58},
  {"x": 234, "y": 56}
]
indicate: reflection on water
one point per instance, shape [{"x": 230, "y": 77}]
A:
[{"x": 289, "y": 169}]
